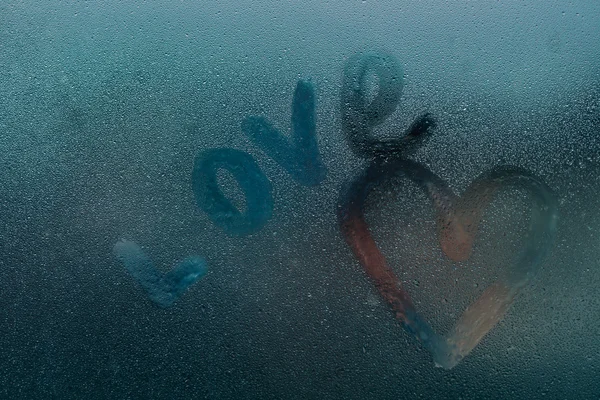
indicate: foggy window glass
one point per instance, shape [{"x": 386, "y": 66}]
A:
[{"x": 299, "y": 200}]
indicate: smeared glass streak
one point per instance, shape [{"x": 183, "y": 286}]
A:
[
  {"x": 253, "y": 182},
  {"x": 459, "y": 219},
  {"x": 162, "y": 289},
  {"x": 300, "y": 158},
  {"x": 360, "y": 116}
]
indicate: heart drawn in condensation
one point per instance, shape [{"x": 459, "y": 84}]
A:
[{"x": 458, "y": 219}]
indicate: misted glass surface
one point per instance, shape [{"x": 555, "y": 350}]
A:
[{"x": 299, "y": 200}]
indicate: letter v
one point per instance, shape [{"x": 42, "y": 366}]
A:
[{"x": 300, "y": 157}]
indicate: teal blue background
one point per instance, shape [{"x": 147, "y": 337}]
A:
[{"x": 103, "y": 107}]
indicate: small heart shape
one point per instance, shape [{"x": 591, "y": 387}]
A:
[
  {"x": 163, "y": 289},
  {"x": 457, "y": 220}
]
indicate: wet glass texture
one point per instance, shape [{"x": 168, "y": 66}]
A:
[{"x": 299, "y": 200}]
